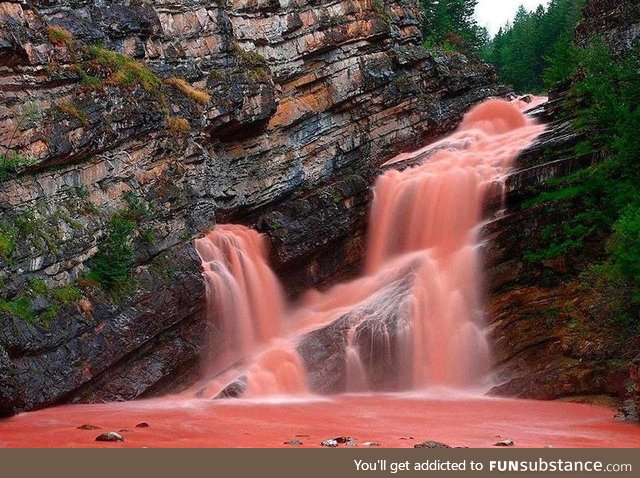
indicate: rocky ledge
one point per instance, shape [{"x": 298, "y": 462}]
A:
[
  {"x": 128, "y": 128},
  {"x": 555, "y": 338}
]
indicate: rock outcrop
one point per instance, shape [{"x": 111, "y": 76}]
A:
[
  {"x": 617, "y": 22},
  {"x": 555, "y": 339},
  {"x": 128, "y": 128}
]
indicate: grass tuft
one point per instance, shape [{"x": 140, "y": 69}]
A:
[
  {"x": 73, "y": 110},
  {"x": 59, "y": 36},
  {"x": 177, "y": 125},
  {"x": 124, "y": 70},
  {"x": 188, "y": 90}
]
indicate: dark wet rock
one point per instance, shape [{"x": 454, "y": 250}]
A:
[
  {"x": 431, "y": 444},
  {"x": 125, "y": 430},
  {"x": 110, "y": 437},
  {"x": 89, "y": 427},
  {"x": 10, "y": 390},
  {"x": 234, "y": 390},
  {"x": 506, "y": 442},
  {"x": 343, "y": 439},
  {"x": 630, "y": 409},
  {"x": 142, "y": 425},
  {"x": 333, "y": 220},
  {"x": 294, "y": 443},
  {"x": 378, "y": 337}
]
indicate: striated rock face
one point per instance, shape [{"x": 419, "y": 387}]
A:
[
  {"x": 617, "y": 22},
  {"x": 553, "y": 338},
  {"x": 172, "y": 116}
]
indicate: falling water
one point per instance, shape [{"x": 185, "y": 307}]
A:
[
  {"x": 245, "y": 299},
  {"x": 417, "y": 309},
  {"x": 243, "y": 293},
  {"x": 434, "y": 210}
]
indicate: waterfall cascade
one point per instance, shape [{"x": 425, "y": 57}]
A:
[{"x": 421, "y": 291}]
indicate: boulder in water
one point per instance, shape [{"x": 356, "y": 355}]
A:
[
  {"x": 110, "y": 437},
  {"x": 234, "y": 390},
  {"x": 142, "y": 425},
  {"x": 370, "y": 443},
  {"x": 87, "y": 426},
  {"x": 294, "y": 443},
  {"x": 378, "y": 324},
  {"x": 432, "y": 444},
  {"x": 330, "y": 442},
  {"x": 507, "y": 442}
]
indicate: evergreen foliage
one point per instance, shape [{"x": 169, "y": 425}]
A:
[
  {"x": 536, "y": 50},
  {"x": 603, "y": 199},
  {"x": 450, "y": 24}
]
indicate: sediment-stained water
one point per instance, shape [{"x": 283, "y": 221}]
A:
[{"x": 393, "y": 421}]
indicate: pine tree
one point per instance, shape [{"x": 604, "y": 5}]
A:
[
  {"x": 536, "y": 49},
  {"x": 451, "y": 24}
]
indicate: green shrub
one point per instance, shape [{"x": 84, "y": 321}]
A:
[
  {"x": 625, "y": 247},
  {"x": 148, "y": 236},
  {"x": 38, "y": 287},
  {"x": 249, "y": 59},
  {"x": 68, "y": 294},
  {"x": 113, "y": 264},
  {"x": 59, "y": 36},
  {"x": 75, "y": 111},
  {"x": 11, "y": 164},
  {"x": 7, "y": 240},
  {"x": 20, "y": 308}
]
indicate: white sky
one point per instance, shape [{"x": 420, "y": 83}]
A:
[{"x": 495, "y": 13}]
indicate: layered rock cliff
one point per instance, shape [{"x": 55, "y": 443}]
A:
[
  {"x": 128, "y": 128},
  {"x": 555, "y": 338}
]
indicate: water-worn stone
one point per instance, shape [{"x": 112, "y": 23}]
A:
[
  {"x": 506, "y": 442},
  {"x": 380, "y": 323},
  {"x": 331, "y": 443},
  {"x": 110, "y": 437},
  {"x": 431, "y": 444},
  {"x": 234, "y": 390},
  {"x": 88, "y": 427}
]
